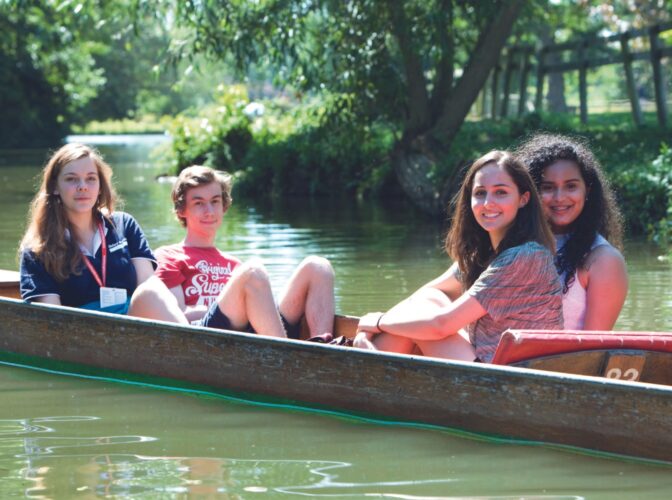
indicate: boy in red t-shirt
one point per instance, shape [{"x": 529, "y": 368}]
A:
[{"x": 217, "y": 290}]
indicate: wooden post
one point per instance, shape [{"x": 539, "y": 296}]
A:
[
  {"x": 539, "y": 97},
  {"x": 658, "y": 76},
  {"x": 583, "y": 83},
  {"x": 507, "y": 82},
  {"x": 524, "y": 71},
  {"x": 495, "y": 92},
  {"x": 630, "y": 80}
]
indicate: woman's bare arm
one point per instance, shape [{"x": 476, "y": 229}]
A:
[
  {"x": 448, "y": 283},
  {"x": 143, "y": 269},
  {"x": 425, "y": 321},
  {"x": 606, "y": 283}
]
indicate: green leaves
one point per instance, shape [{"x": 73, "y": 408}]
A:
[
  {"x": 345, "y": 47},
  {"x": 47, "y": 69},
  {"x": 316, "y": 146}
]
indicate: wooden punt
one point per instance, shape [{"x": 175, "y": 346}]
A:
[{"x": 621, "y": 417}]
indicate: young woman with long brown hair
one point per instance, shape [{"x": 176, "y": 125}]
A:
[
  {"x": 79, "y": 252},
  {"x": 503, "y": 274}
]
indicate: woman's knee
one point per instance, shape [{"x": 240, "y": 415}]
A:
[
  {"x": 152, "y": 290},
  {"x": 153, "y": 300}
]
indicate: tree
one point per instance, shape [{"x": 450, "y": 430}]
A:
[
  {"x": 45, "y": 76},
  {"x": 65, "y": 63},
  {"x": 419, "y": 64},
  {"x": 139, "y": 76},
  {"x": 550, "y": 24}
]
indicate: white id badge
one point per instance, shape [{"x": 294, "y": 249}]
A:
[{"x": 112, "y": 296}]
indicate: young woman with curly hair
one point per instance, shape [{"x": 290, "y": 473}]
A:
[{"x": 582, "y": 212}]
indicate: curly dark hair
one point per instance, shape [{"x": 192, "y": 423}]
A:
[
  {"x": 600, "y": 214},
  {"x": 469, "y": 244}
]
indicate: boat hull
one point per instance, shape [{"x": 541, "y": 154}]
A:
[{"x": 625, "y": 418}]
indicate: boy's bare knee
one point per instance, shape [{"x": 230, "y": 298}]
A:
[
  {"x": 253, "y": 275},
  {"x": 252, "y": 269},
  {"x": 318, "y": 266}
]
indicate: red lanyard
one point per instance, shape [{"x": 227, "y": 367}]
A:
[{"x": 95, "y": 274}]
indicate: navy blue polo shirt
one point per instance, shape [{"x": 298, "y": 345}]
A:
[{"x": 125, "y": 241}]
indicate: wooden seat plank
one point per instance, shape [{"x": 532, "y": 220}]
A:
[
  {"x": 631, "y": 365},
  {"x": 9, "y": 284}
]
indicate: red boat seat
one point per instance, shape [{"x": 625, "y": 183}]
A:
[{"x": 521, "y": 345}]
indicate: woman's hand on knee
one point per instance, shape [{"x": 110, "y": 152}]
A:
[{"x": 364, "y": 340}]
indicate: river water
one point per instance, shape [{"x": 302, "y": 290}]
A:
[{"x": 72, "y": 437}]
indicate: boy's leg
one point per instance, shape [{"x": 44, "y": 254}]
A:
[
  {"x": 310, "y": 292},
  {"x": 247, "y": 299}
]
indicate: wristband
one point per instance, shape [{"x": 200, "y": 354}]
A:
[{"x": 380, "y": 330}]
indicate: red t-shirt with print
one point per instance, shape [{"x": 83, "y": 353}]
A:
[{"x": 202, "y": 272}]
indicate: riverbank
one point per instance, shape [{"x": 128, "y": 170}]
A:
[
  {"x": 308, "y": 149},
  {"x": 145, "y": 124}
]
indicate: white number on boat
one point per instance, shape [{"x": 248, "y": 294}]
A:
[{"x": 630, "y": 374}]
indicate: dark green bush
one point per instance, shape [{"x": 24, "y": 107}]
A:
[
  {"x": 218, "y": 137},
  {"x": 659, "y": 196},
  {"x": 315, "y": 147}
]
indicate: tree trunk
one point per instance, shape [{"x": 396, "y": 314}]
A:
[
  {"x": 413, "y": 163},
  {"x": 556, "y": 80},
  {"x": 414, "y": 168},
  {"x": 416, "y": 155},
  {"x": 556, "y": 93},
  {"x": 418, "y": 99}
]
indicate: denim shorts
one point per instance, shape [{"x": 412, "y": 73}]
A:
[{"x": 215, "y": 318}]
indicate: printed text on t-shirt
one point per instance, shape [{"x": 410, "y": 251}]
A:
[{"x": 207, "y": 285}]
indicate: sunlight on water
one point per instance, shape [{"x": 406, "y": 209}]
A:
[{"x": 62, "y": 437}]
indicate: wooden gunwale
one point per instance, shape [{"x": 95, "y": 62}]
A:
[{"x": 625, "y": 418}]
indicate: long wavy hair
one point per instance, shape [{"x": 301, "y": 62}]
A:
[
  {"x": 469, "y": 244},
  {"x": 48, "y": 219},
  {"x": 600, "y": 214}
]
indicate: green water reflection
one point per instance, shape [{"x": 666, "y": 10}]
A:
[
  {"x": 65, "y": 437},
  {"x": 62, "y": 436}
]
